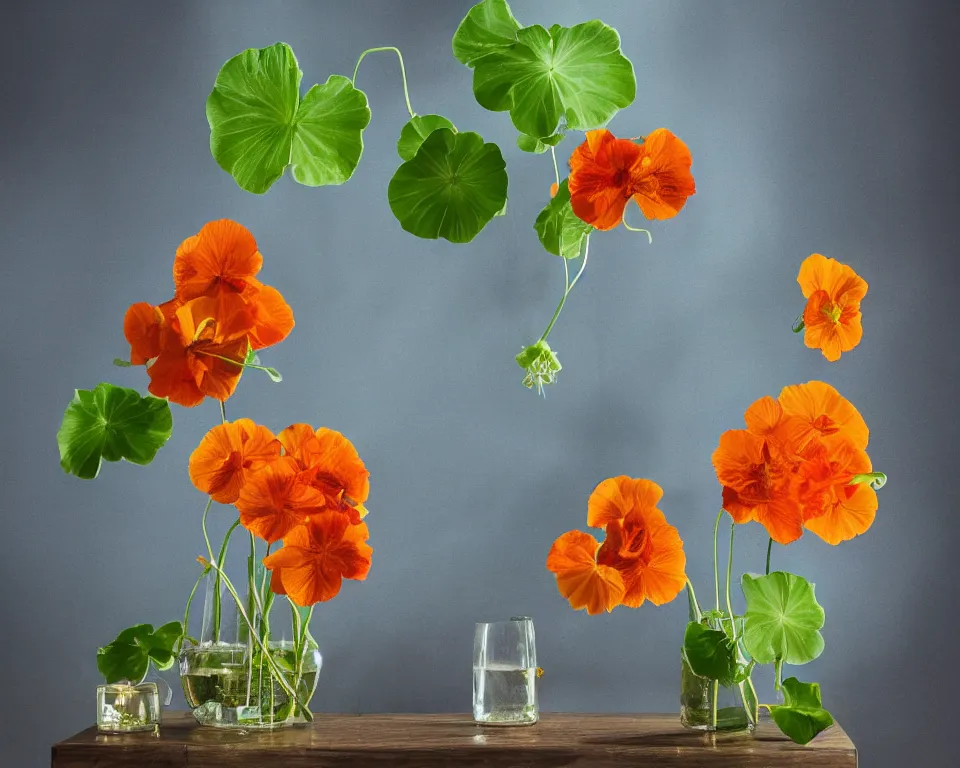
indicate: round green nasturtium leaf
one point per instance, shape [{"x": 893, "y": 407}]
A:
[
  {"x": 488, "y": 27},
  {"x": 710, "y": 653},
  {"x": 538, "y": 146},
  {"x": 577, "y": 73},
  {"x": 259, "y": 126},
  {"x": 802, "y": 717},
  {"x": 129, "y": 656},
  {"x": 111, "y": 423},
  {"x": 451, "y": 188},
  {"x": 417, "y": 129},
  {"x": 328, "y": 134},
  {"x": 557, "y": 225},
  {"x": 782, "y": 620}
]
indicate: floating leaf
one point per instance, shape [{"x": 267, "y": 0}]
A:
[
  {"x": 129, "y": 656},
  {"x": 259, "y": 126},
  {"x": 576, "y": 73},
  {"x": 557, "y": 223},
  {"x": 416, "y": 130},
  {"x": 488, "y": 27},
  {"x": 710, "y": 653},
  {"x": 328, "y": 135},
  {"x": 111, "y": 423},
  {"x": 782, "y": 620},
  {"x": 803, "y": 715},
  {"x": 451, "y": 188},
  {"x": 538, "y": 146}
]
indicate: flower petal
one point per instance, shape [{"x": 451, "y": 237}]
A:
[
  {"x": 583, "y": 582},
  {"x": 223, "y": 254},
  {"x": 273, "y": 318},
  {"x": 826, "y": 414}
]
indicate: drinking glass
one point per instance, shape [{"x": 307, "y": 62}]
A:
[{"x": 505, "y": 673}]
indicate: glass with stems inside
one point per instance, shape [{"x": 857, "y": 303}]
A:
[
  {"x": 248, "y": 670},
  {"x": 126, "y": 708},
  {"x": 705, "y": 703},
  {"x": 505, "y": 673}
]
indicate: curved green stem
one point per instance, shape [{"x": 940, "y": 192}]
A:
[
  {"x": 556, "y": 168},
  {"x": 716, "y": 567},
  {"x": 778, "y": 668},
  {"x": 638, "y": 229},
  {"x": 403, "y": 72},
  {"x": 203, "y": 524},
  {"x": 733, "y": 621},
  {"x": 271, "y": 662},
  {"x": 694, "y": 604},
  {"x": 756, "y": 700},
  {"x": 217, "y": 611},
  {"x": 223, "y": 412},
  {"x": 569, "y": 288},
  {"x": 186, "y": 613},
  {"x": 769, "y": 548},
  {"x": 271, "y": 372}
]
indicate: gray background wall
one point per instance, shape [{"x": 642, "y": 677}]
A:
[{"x": 814, "y": 126}]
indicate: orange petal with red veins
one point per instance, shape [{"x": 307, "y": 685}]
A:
[
  {"x": 661, "y": 180},
  {"x": 339, "y": 470},
  {"x": 222, "y": 254},
  {"x": 171, "y": 376},
  {"x": 583, "y": 582},
  {"x": 662, "y": 575},
  {"x": 227, "y": 454},
  {"x": 318, "y": 555},
  {"x": 600, "y": 179},
  {"x": 826, "y": 414},
  {"x": 847, "y": 517},
  {"x": 273, "y": 500}
]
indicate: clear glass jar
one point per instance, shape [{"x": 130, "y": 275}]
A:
[
  {"x": 505, "y": 673},
  {"x": 705, "y": 705},
  {"x": 125, "y": 708},
  {"x": 228, "y": 680}
]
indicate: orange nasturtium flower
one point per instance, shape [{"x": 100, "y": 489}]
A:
[
  {"x": 228, "y": 454},
  {"x": 274, "y": 500},
  {"x": 640, "y": 559},
  {"x": 221, "y": 261},
  {"x": 605, "y": 172},
  {"x": 317, "y": 555},
  {"x": 793, "y": 466},
  {"x": 826, "y": 414},
  {"x": 832, "y": 318},
  {"x": 192, "y": 351},
  {"x": 329, "y": 462}
]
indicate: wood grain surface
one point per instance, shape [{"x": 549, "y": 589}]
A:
[{"x": 442, "y": 741}]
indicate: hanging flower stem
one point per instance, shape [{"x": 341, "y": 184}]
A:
[
  {"x": 769, "y": 548},
  {"x": 403, "y": 72},
  {"x": 569, "y": 287}
]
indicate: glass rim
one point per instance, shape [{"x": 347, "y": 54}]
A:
[{"x": 511, "y": 620}]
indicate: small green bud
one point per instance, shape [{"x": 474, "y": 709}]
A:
[{"x": 541, "y": 365}]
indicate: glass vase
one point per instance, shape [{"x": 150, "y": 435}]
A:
[
  {"x": 505, "y": 673},
  {"x": 705, "y": 705},
  {"x": 239, "y": 676},
  {"x": 125, "y": 708}
]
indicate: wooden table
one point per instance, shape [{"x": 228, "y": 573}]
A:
[{"x": 442, "y": 741}]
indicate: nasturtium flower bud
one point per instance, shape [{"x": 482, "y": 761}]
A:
[{"x": 541, "y": 365}]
